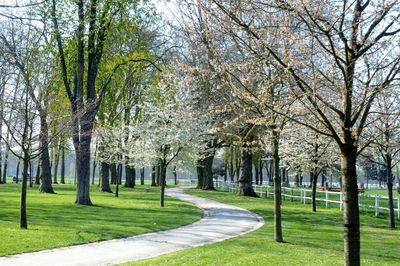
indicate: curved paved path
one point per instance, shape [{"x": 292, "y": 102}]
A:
[{"x": 220, "y": 222}]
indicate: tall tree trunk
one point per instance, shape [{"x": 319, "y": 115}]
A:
[
  {"x": 83, "y": 166},
  {"x": 231, "y": 167},
  {"x": 158, "y": 179},
  {"x": 246, "y": 173},
  {"x": 314, "y": 178},
  {"x": 271, "y": 173},
  {"x": 175, "y": 176},
  {"x": 23, "y": 221},
  {"x": 120, "y": 167},
  {"x": 163, "y": 181},
  {"x": 114, "y": 172},
  {"x": 130, "y": 176},
  {"x": 5, "y": 164},
  {"x": 389, "y": 181},
  {"x": 207, "y": 182},
  {"x": 142, "y": 176},
  {"x": 351, "y": 216},
  {"x": 56, "y": 161},
  {"x": 256, "y": 172},
  {"x": 17, "y": 173},
  {"x": 94, "y": 170},
  {"x": 117, "y": 180},
  {"x": 200, "y": 174},
  {"x": 62, "y": 178},
  {"x": 277, "y": 187},
  {"x": 30, "y": 173},
  {"x": 37, "y": 177},
  {"x": 105, "y": 177},
  {"x": 261, "y": 172},
  {"x": 238, "y": 164},
  {"x": 153, "y": 176}
]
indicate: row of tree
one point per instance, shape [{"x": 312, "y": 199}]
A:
[{"x": 294, "y": 85}]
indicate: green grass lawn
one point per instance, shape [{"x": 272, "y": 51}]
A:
[
  {"x": 55, "y": 221},
  {"x": 310, "y": 239}
]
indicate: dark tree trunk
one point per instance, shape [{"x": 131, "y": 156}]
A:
[
  {"x": 389, "y": 181},
  {"x": 256, "y": 172},
  {"x": 261, "y": 172},
  {"x": 175, "y": 176},
  {"x": 37, "y": 177},
  {"x": 83, "y": 167},
  {"x": 114, "y": 177},
  {"x": 297, "y": 179},
  {"x": 30, "y": 173},
  {"x": 208, "y": 183},
  {"x": 323, "y": 179},
  {"x": 94, "y": 170},
  {"x": 119, "y": 170},
  {"x": 351, "y": 214},
  {"x": 153, "y": 176},
  {"x": 142, "y": 176},
  {"x": 314, "y": 178},
  {"x": 5, "y": 165},
  {"x": 163, "y": 181},
  {"x": 238, "y": 164},
  {"x": 231, "y": 157},
  {"x": 277, "y": 188},
  {"x": 246, "y": 173},
  {"x": 114, "y": 173},
  {"x": 23, "y": 221},
  {"x": 62, "y": 178},
  {"x": 200, "y": 174},
  {"x": 271, "y": 173},
  {"x": 117, "y": 180},
  {"x": 130, "y": 176},
  {"x": 105, "y": 177},
  {"x": 56, "y": 161},
  {"x": 158, "y": 175},
  {"x": 226, "y": 174},
  {"x": 17, "y": 173}
]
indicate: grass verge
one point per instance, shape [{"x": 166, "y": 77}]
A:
[
  {"x": 55, "y": 221},
  {"x": 310, "y": 239}
]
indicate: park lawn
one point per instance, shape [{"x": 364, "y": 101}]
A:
[
  {"x": 55, "y": 221},
  {"x": 310, "y": 238}
]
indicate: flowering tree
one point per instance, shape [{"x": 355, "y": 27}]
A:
[{"x": 170, "y": 131}]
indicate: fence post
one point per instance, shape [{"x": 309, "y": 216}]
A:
[
  {"x": 376, "y": 205},
  {"x": 267, "y": 195},
  {"x": 341, "y": 201},
  {"x": 283, "y": 194},
  {"x": 304, "y": 196},
  {"x": 326, "y": 199},
  {"x": 291, "y": 194}
]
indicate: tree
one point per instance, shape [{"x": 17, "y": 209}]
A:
[
  {"x": 304, "y": 149},
  {"x": 330, "y": 55},
  {"x": 85, "y": 92},
  {"x": 24, "y": 47},
  {"x": 385, "y": 146}
]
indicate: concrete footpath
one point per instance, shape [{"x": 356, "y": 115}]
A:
[{"x": 220, "y": 222}]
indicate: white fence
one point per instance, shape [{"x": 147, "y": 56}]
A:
[{"x": 329, "y": 198}]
